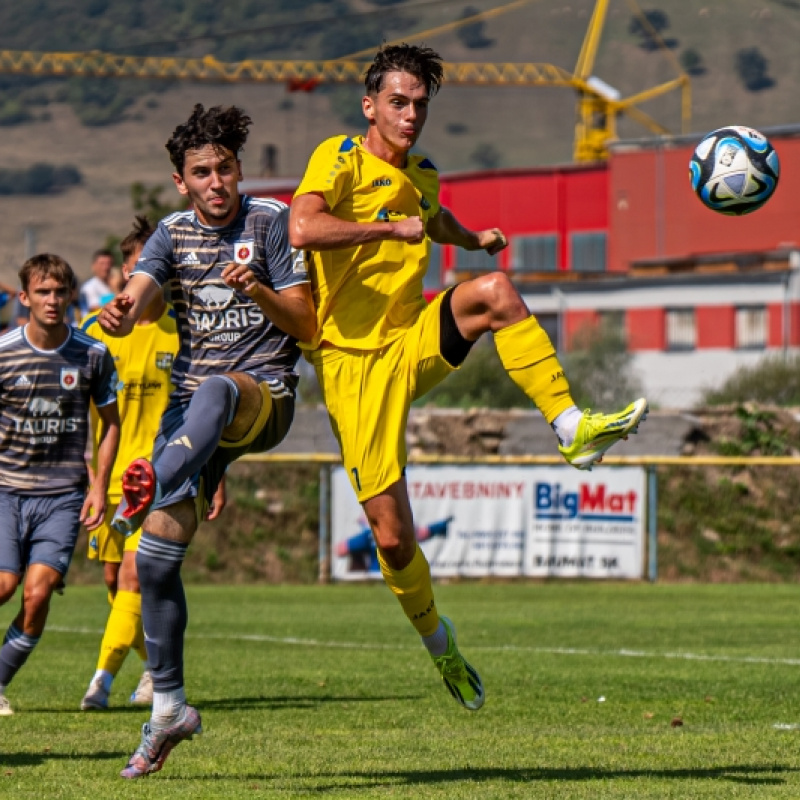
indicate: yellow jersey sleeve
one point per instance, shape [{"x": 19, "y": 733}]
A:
[
  {"x": 368, "y": 295},
  {"x": 329, "y": 171},
  {"x": 144, "y": 366}
]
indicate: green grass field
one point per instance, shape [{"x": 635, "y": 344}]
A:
[{"x": 312, "y": 691}]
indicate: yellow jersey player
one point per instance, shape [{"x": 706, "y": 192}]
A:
[
  {"x": 368, "y": 209},
  {"x": 144, "y": 366}
]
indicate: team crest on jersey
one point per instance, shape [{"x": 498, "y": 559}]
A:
[
  {"x": 164, "y": 360},
  {"x": 69, "y": 378},
  {"x": 243, "y": 252}
]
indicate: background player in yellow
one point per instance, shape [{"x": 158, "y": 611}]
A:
[
  {"x": 368, "y": 209},
  {"x": 144, "y": 365}
]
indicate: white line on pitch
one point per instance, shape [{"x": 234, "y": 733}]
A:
[{"x": 563, "y": 651}]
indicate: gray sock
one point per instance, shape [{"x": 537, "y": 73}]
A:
[
  {"x": 17, "y": 646},
  {"x": 164, "y": 612}
]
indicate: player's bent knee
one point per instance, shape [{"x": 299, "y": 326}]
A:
[
  {"x": 177, "y": 523},
  {"x": 251, "y": 400},
  {"x": 9, "y": 582}
]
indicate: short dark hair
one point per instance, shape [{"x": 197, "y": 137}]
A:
[
  {"x": 142, "y": 230},
  {"x": 221, "y": 127},
  {"x": 46, "y": 265},
  {"x": 103, "y": 252},
  {"x": 421, "y": 62}
]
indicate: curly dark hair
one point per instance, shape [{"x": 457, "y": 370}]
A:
[
  {"x": 218, "y": 126},
  {"x": 421, "y": 62}
]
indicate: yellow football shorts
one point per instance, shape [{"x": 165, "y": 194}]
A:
[
  {"x": 108, "y": 545},
  {"x": 368, "y": 394}
]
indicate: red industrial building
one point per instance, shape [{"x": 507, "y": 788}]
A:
[{"x": 699, "y": 294}]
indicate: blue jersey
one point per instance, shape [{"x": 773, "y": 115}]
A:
[
  {"x": 44, "y": 410},
  {"x": 221, "y": 329}
]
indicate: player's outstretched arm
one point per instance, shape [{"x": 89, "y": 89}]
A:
[
  {"x": 313, "y": 226},
  {"x": 118, "y": 317},
  {"x": 444, "y": 228},
  {"x": 94, "y": 506}
]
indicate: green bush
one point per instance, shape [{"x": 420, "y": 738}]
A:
[
  {"x": 774, "y": 380},
  {"x": 39, "y": 178},
  {"x": 598, "y": 367},
  {"x": 481, "y": 382}
]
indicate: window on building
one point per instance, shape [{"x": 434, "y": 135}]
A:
[
  {"x": 613, "y": 320},
  {"x": 433, "y": 277},
  {"x": 681, "y": 329},
  {"x": 534, "y": 253},
  {"x": 475, "y": 261},
  {"x": 751, "y": 327},
  {"x": 588, "y": 252},
  {"x": 551, "y": 326}
]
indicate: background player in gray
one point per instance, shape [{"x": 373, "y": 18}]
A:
[
  {"x": 49, "y": 372},
  {"x": 242, "y": 300}
]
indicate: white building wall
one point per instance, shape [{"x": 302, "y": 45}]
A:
[{"x": 677, "y": 380}]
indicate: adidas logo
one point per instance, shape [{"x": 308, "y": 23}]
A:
[
  {"x": 190, "y": 258},
  {"x": 182, "y": 440},
  {"x": 22, "y": 381}
]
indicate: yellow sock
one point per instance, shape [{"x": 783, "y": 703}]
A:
[
  {"x": 530, "y": 360},
  {"x": 121, "y": 629},
  {"x": 413, "y": 588},
  {"x": 138, "y": 645}
]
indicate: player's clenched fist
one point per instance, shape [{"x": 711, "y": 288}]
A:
[
  {"x": 411, "y": 230},
  {"x": 241, "y": 277}
]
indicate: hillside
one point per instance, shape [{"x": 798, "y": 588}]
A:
[{"x": 468, "y": 127}]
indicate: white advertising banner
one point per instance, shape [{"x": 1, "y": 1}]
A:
[{"x": 476, "y": 521}]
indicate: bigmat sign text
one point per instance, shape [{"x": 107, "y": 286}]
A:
[{"x": 479, "y": 521}]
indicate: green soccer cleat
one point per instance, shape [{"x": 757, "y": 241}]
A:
[
  {"x": 461, "y": 678},
  {"x": 597, "y": 432}
]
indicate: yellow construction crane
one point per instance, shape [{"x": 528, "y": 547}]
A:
[{"x": 598, "y": 104}]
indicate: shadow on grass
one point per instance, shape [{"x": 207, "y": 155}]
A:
[
  {"x": 238, "y": 703},
  {"x": 352, "y": 781},
  {"x": 11, "y": 760},
  {"x": 234, "y": 704}
]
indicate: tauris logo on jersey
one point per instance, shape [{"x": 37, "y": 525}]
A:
[
  {"x": 243, "y": 252},
  {"x": 45, "y": 422},
  {"x": 590, "y": 503},
  {"x": 69, "y": 378},
  {"x": 222, "y": 321}
]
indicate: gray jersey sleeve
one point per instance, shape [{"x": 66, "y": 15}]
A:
[
  {"x": 104, "y": 380},
  {"x": 286, "y": 267},
  {"x": 157, "y": 257}
]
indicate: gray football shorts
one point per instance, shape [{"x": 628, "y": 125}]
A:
[
  {"x": 268, "y": 431},
  {"x": 38, "y": 529}
]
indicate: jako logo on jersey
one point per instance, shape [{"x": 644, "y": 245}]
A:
[
  {"x": 69, "y": 377},
  {"x": 589, "y": 503},
  {"x": 190, "y": 258},
  {"x": 382, "y": 182},
  {"x": 39, "y": 407},
  {"x": 243, "y": 252},
  {"x": 215, "y": 297}
]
